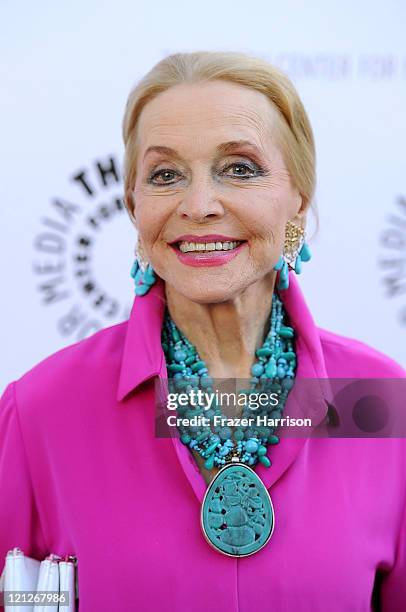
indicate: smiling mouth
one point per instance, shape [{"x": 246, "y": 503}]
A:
[{"x": 206, "y": 247}]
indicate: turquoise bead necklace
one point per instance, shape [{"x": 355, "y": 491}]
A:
[
  {"x": 273, "y": 372},
  {"x": 237, "y": 516}
]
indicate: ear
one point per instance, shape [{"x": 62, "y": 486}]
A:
[
  {"x": 301, "y": 206},
  {"x": 130, "y": 206}
]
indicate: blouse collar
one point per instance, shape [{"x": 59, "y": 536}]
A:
[{"x": 143, "y": 357}]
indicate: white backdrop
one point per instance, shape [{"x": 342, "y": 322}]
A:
[{"x": 67, "y": 247}]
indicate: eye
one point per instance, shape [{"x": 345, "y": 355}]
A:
[
  {"x": 166, "y": 173},
  {"x": 242, "y": 168}
]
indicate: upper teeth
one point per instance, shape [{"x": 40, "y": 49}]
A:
[{"x": 207, "y": 246}]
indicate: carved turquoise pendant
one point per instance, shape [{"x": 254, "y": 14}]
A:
[{"x": 237, "y": 516}]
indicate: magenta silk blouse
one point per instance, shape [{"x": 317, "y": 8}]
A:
[{"x": 82, "y": 473}]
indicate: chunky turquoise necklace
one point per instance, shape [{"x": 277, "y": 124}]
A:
[{"x": 237, "y": 515}]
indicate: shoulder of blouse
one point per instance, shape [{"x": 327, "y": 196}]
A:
[
  {"x": 351, "y": 358},
  {"x": 81, "y": 367}
]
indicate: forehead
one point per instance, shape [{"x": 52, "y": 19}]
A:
[{"x": 202, "y": 114}]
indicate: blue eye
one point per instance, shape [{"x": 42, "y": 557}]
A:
[
  {"x": 254, "y": 171},
  {"x": 164, "y": 171}
]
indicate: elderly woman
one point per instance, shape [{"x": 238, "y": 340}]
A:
[{"x": 219, "y": 178}]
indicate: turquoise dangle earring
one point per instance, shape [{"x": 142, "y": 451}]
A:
[
  {"x": 142, "y": 271},
  {"x": 295, "y": 251}
]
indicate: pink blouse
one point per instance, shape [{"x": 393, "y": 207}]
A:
[{"x": 82, "y": 473}]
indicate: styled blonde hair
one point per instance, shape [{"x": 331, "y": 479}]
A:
[{"x": 294, "y": 132}]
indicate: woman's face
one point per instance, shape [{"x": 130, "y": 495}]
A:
[{"x": 208, "y": 166}]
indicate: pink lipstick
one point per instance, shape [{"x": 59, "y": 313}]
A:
[{"x": 206, "y": 258}]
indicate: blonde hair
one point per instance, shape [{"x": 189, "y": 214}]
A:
[{"x": 294, "y": 132}]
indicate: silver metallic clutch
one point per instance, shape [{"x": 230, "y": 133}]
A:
[{"x": 39, "y": 586}]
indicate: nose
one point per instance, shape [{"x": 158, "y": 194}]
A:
[{"x": 200, "y": 203}]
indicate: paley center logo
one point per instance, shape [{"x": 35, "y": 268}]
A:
[
  {"x": 84, "y": 251},
  {"x": 393, "y": 257}
]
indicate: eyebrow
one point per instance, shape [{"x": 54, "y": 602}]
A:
[{"x": 223, "y": 148}]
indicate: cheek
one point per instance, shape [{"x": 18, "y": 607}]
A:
[
  {"x": 265, "y": 219},
  {"x": 151, "y": 219},
  {"x": 150, "y": 233}
]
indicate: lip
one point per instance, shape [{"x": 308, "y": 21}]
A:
[
  {"x": 205, "y": 238},
  {"x": 209, "y": 258}
]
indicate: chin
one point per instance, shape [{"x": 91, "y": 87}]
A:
[{"x": 208, "y": 293}]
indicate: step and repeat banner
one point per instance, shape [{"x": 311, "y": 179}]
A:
[{"x": 67, "y": 242}]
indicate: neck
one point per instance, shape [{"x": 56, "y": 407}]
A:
[{"x": 226, "y": 334}]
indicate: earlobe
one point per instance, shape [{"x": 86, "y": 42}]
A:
[
  {"x": 298, "y": 206},
  {"x": 303, "y": 205}
]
